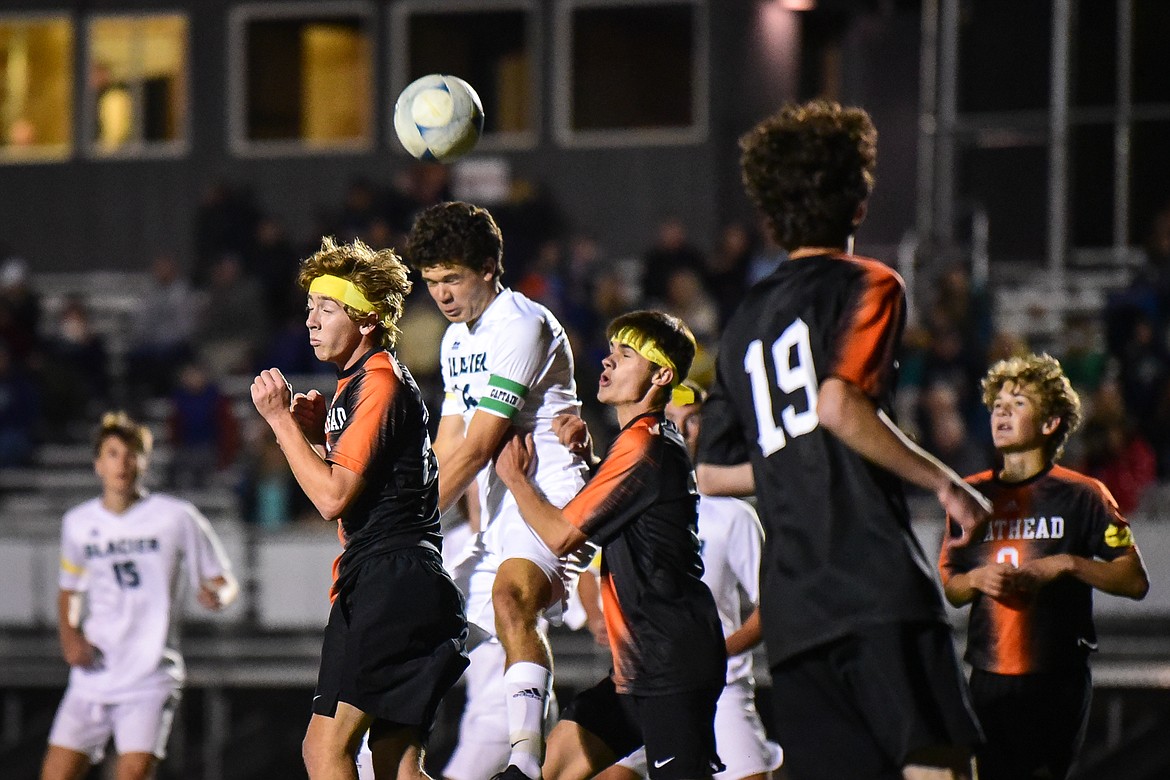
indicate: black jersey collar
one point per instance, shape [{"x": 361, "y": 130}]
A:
[{"x": 358, "y": 365}]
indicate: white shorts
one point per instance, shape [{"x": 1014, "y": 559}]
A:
[
  {"x": 739, "y": 737},
  {"x": 138, "y": 726},
  {"x": 483, "y": 747},
  {"x": 508, "y": 536}
]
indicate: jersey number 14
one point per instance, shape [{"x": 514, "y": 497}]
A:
[{"x": 793, "y": 362}]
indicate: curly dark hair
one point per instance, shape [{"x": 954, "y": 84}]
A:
[
  {"x": 380, "y": 275},
  {"x": 455, "y": 233},
  {"x": 1042, "y": 378},
  {"x": 809, "y": 168},
  {"x": 670, "y": 333},
  {"x": 121, "y": 426}
]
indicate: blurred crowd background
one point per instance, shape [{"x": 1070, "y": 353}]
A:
[{"x": 178, "y": 346}]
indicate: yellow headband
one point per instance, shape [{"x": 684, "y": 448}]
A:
[
  {"x": 649, "y": 349},
  {"x": 343, "y": 290}
]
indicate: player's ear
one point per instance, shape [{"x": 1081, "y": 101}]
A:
[
  {"x": 488, "y": 270},
  {"x": 368, "y": 323},
  {"x": 859, "y": 215},
  {"x": 663, "y": 376},
  {"x": 1050, "y": 425}
]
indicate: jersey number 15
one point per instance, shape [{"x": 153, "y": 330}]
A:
[{"x": 792, "y": 358}]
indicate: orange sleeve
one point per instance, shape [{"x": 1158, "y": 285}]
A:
[
  {"x": 366, "y": 427},
  {"x": 869, "y": 338},
  {"x": 622, "y": 487}
]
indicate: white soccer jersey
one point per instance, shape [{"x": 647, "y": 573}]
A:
[
  {"x": 128, "y": 566},
  {"x": 515, "y": 362},
  {"x": 730, "y": 539}
]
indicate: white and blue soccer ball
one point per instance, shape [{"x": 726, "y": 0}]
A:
[{"x": 438, "y": 117}]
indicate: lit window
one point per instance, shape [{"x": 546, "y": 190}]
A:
[
  {"x": 36, "y": 88},
  {"x": 631, "y": 72},
  {"x": 301, "y": 77},
  {"x": 137, "y": 85},
  {"x": 489, "y": 45}
]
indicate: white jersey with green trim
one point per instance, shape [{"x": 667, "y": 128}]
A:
[
  {"x": 128, "y": 567},
  {"x": 514, "y": 362}
]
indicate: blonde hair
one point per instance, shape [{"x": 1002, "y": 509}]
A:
[
  {"x": 1044, "y": 379},
  {"x": 120, "y": 425},
  {"x": 378, "y": 274}
]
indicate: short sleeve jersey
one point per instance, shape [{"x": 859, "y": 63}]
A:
[
  {"x": 515, "y": 362},
  {"x": 839, "y": 552},
  {"x": 640, "y": 506},
  {"x": 377, "y": 427},
  {"x": 129, "y": 567},
  {"x": 730, "y": 540},
  {"x": 1057, "y": 511}
]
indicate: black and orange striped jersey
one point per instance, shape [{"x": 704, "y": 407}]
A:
[
  {"x": 377, "y": 427},
  {"x": 1057, "y": 511},
  {"x": 641, "y": 507},
  {"x": 839, "y": 552}
]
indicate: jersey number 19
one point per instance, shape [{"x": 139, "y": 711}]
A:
[{"x": 792, "y": 358}]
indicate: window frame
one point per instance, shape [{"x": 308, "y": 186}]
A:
[
  {"x": 49, "y": 153},
  {"x": 699, "y": 130},
  {"x": 238, "y": 18},
  {"x": 137, "y": 149},
  {"x": 399, "y": 59}
]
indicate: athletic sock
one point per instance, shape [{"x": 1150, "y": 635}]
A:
[{"x": 527, "y": 687}]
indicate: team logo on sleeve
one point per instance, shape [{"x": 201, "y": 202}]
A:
[{"x": 1118, "y": 536}]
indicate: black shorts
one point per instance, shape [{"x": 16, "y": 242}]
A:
[
  {"x": 1034, "y": 723},
  {"x": 677, "y": 729},
  {"x": 861, "y": 706},
  {"x": 395, "y": 640}
]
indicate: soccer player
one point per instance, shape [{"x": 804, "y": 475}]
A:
[
  {"x": 121, "y": 555},
  {"x": 669, "y": 661},
  {"x": 1055, "y": 536},
  {"x": 394, "y": 644},
  {"x": 730, "y": 539},
  {"x": 865, "y": 678},
  {"x": 506, "y": 361}
]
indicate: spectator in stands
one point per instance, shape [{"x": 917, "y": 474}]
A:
[
  {"x": 685, "y": 297},
  {"x": 270, "y": 497},
  {"x": 204, "y": 434},
  {"x": 273, "y": 261},
  {"x": 20, "y": 311},
  {"x": 234, "y": 321},
  {"x": 727, "y": 268},
  {"x": 672, "y": 249},
  {"x": 1054, "y": 537},
  {"x": 945, "y": 431},
  {"x": 1143, "y": 366},
  {"x": 162, "y": 330},
  {"x": 225, "y": 222},
  {"x": 1115, "y": 452},
  {"x": 544, "y": 281},
  {"x": 75, "y": 374},
  {"x": 766, "y": 257},
  {"x": 19, "y": 412}
]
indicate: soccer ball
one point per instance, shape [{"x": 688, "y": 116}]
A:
[{"x": 438, "y": 117}]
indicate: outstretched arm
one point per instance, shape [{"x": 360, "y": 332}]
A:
[{"x": 850, "y": 415}]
